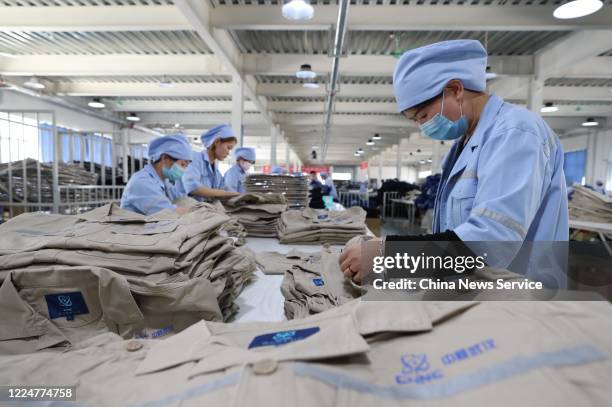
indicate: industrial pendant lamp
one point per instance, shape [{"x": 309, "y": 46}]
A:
[
  {"x": 590, "y": 122},
  {"x": 96, "y": 104},
  {"x": 305, "y": 72},
  {"x": 549, "y": 108},
  {"x": 577, "y": 8},
  {"x": 298, "y": 10}
]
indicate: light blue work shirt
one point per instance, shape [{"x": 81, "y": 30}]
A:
[
  {"x": 147, "y": 194},
  {"x": 200, "y": 173},
  {"x": 508, "y": 182},
  {"x": 234, "y": 179}
]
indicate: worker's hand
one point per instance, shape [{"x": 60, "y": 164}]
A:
[
  {"x": 351, "y": 261},
  {"x": 182, "y": 211}
]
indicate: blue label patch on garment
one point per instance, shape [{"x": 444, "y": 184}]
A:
[
  {"x": 66, "y": 305},
  {"x": 283, "y": 337},
  {"x": 416, "y": 369},
  {"x": 318, "y": 282},
  {"x": 154, "y": 333},
  {"x": 322, "y": 217}
]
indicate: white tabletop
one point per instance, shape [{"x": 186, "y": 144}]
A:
[{"x": 262, "y": 299}]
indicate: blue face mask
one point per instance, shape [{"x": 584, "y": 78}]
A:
[
  {"x": 440, "y": 127},
  {"x": 173, "y": 173}
]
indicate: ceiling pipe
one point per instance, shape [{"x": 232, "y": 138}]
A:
[
  {"x": 77, "y": 108},
  {"x": 333, "y": 84}
]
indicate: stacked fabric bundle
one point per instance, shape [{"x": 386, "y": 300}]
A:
[
  {"x": 293, "y": 187},
  {"x": 231, "y": 228},
  {"x": 257, "y": 212},
  {"x": 321, "y": 226},
  {"x": 177, "y": 270},
  {"x": 364, "y": 353},
  {"x": 69, "y": 174},
  {"x": 588, "y": 205},
  {"x": 314, "y": 284}
]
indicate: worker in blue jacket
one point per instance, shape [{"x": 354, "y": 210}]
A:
[
  {"x": 203, "y": 180},
  {"x": 153, "y": 188},
  {"x": 503, "y": 178},
  {"x": 235, "y": 177}
]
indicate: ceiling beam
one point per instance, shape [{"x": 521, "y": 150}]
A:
[
  {"x": 573, "y": 49},
  {"x": 136, "y": 89},
  {"x": 198, "y": 14},
  {"x": 86, "y": 18},
  {"x": 271, "y": 64},
  {"x": 509, "y": 89},
  {"x": 268, "y": 17},
  {"x": 363, "y": 65},
  {"x": 111, "y": 65}
]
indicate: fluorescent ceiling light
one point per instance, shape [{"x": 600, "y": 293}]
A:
[
  {"x": 376, "y": 137},
  {"x": 165, "y": 83},
  {"x": 311, "y": 85},
  {"x": 177, "y": 125},
  {"x": 33, "y": 83},
  {"x": 429, "y": 160},
  {"x": 577, "y": 8},
  {"x": 96, "y": 103},
  {"x": 549, "y": 108},
  {"x": 356, "y": 154},
  {"x": 369, "y": 142},
  {"x": 422, "y": 162},
  {"x": 132, "y": 117},
  {"x": 298, "y": 10},
  {"x": 305, "y": 72},
  {"x": 590, "y": 122}
]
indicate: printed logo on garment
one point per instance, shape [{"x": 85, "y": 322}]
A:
[
  {"x": 318, "y": 282},
  {"x": 416, "y": 369},
  {"x": 282, "y": 337},
  {"x": 66, "y": 305}
]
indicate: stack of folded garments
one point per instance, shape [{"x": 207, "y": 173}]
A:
[
  {"x": 231, "y": 228},
  {"x": 321, "y": 226},
  {"x": 293, "y": 187},
  {"x": 178, "y": 269},
  {"x": 364, "y": 353},
  {"x": 258, "y": 213},
  {"x": 588, "y": 205},
  {"x": 26, "y": 189},
  {"x": 314, "y": 283}
]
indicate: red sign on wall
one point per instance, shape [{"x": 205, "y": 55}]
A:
[
  {"x": 364, "y": 165},
  {"x": 316, "y": 169}
]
